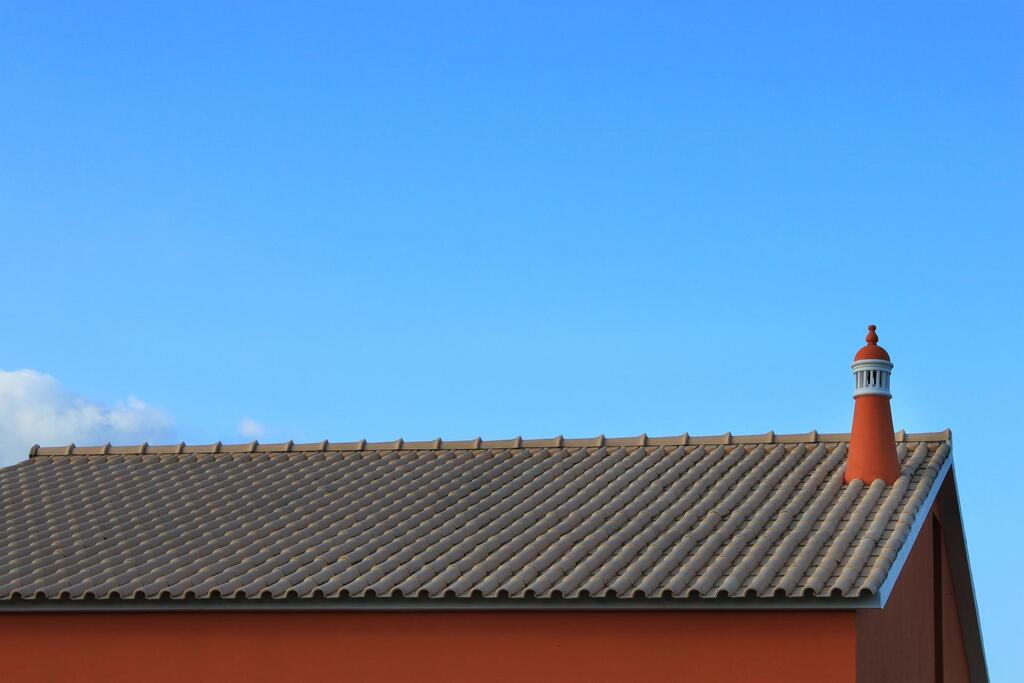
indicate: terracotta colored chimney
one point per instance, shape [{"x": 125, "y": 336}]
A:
[{"x": 872, "y": 442}]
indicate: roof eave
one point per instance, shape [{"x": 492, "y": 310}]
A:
[{"x": 440, "y": 604}]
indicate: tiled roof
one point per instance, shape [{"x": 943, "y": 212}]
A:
[{"x": 677, "y": 517}]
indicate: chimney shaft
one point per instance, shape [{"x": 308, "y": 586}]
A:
[{"x": 872, "y": 442}]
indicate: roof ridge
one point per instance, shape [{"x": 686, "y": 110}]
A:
[{"x": 478, "y": 443}]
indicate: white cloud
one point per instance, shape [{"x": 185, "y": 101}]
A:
[
  {"x": 37, "y": 408},
  {"x": 250, "y": 428}
]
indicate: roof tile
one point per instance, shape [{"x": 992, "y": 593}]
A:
[{"x": 717, "y": 516}]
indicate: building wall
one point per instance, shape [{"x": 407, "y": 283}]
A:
[
  {"x": 897, "y": 644},
  {"x": 710, "y": 647},
  {"x": 917, "y": 637},
  {"x": 954, "y": 657}
]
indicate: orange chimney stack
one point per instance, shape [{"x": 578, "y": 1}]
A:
[{"x": 872, "y": 442}]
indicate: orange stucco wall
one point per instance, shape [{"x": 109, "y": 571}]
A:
[
  {"x": 897, "y": 644},
  {"x": 710, "y": 647},
  {"x": 954, "y": 658}
]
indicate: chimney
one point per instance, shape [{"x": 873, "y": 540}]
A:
[{"x": 872, "y": 442}]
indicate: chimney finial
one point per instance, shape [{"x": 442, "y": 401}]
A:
[{"x": 872, "y": 453}]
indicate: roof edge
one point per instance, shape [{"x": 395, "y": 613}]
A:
[
  {"x": 684, "y": 439},
  {"x": 955, "y": 538},
  {"x": 438, "y": 604},
  {"x": 945, "y": 494},
  {"x": 885, "y": 590}
]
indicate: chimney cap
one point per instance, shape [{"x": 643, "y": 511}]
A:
[{"x": 872, "y": 351}]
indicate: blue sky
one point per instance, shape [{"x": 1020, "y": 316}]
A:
[{"x": 420, "y": 219}]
